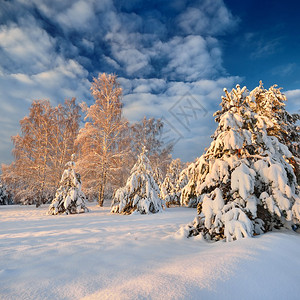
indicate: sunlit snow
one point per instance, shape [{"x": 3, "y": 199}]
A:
[{"x": 99, "y": 255}]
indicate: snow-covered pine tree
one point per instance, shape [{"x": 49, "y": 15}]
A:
[
  {"x": 243, "y": 183},
  {"x": 69, "y": 198},
  {"x": 270, "y": 105},
  {"x": 148, "y": 133},
  {"x": 4, "y": 197},
  {"x": 158, "y": 177},
  {"x": 141, "y": 192},
  {"x": 182, "y": 181},
  {"x": 186, "y": 181},
  {"x": 170, "y": 189}
]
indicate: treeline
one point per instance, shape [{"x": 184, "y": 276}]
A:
[{"x": 106, "y": 146}]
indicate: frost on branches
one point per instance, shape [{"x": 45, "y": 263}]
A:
[
  {"x": 141, "y": 192},
  {"x": 244, "y": 184},
  {"x": 171, "y": 186},
  {"x": 69, "y": 198}
]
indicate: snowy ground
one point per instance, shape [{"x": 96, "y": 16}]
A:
[{"x": 102, "y": 256}]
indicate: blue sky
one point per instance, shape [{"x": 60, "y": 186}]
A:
[
  {"x": 173, "y": 58},
  {"x": 265, "y": 44}
]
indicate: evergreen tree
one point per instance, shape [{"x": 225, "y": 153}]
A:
[
  {"x": 270, "y": 105},
  {"x": 148, "y": 133},
  {"x": 69, "y": 198},
  {"x": 171, "y": 187},
  {"x": 185, "y": 183},
  {"x": 141, "y": 192},
  {"x": 4, "y": 196},
  {"x": 243, "y": 183},
  {"x": 182, "y": 182},
  {"x": 158, "y": 177}
]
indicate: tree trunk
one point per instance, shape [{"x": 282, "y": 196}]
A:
[
  {"x": 100, "y": 195},
  {"x": 102, "y": 187}
]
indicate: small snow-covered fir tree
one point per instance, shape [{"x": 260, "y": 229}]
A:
[
  {"x": 158, "y": 176},
  {"x": 186, "y": 181},
  {"x": 243, "y": 184},
  {"x": 4, "y": 196},
  {"x": 171, "y": 186},
  {"x": 183, "y": 181},
  {"x": 69, "y": 198},
  {"x": 141, "y": 192}
]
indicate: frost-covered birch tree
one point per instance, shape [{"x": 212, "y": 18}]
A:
[
  {"x": 99, "y": 139},
  {"x": 66, "y": 120},
  {"x": 243, "y": 184},
  {"x": 141, "y": 192},
  {"x": 41, "y": 150}
]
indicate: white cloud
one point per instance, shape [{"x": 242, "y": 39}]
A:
[
  {"x": 24, "y": 78},
  {"x": 140, "y": 100},
  {"x": 128, "y": 51},
  {"x": 158, "y": 62},
  {"x": 80, "y": 16},
  {"x": 208, "y": 18},
  {"x": 192, "y": 58},
  {"x": 261, "y": 44},
  {"x": 151, "y": 85},
  {"x": 18, "y": 91},
  {"x": 26, "y": 48},
  {"x": 112, "y": 62},
  {"x": 133, "y": 60},
  {"x": 88, "y": 45},
  {"x": 293, "y": 97},
  {"x": 32, "y": 69},
  {"x": 265, "y": 49},
  {"x": 284, "y": 70}
]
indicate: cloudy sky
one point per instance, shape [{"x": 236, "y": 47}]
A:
[{"x": 173, "y": 58}]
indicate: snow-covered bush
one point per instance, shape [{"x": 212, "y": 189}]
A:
[
  {"x": 243, "y": 184},
  {"x": 69, "y": 198},
  {"x": 171, "y": 187},
  {"x": 141, "y": 192},
  {"x": 4, "y": 196}
]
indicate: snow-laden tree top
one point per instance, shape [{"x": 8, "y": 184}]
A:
[
  {"x": 141, "y": 192},
  {"x": 270, "y": 105},
  {"x": 244, "y": 184}
]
